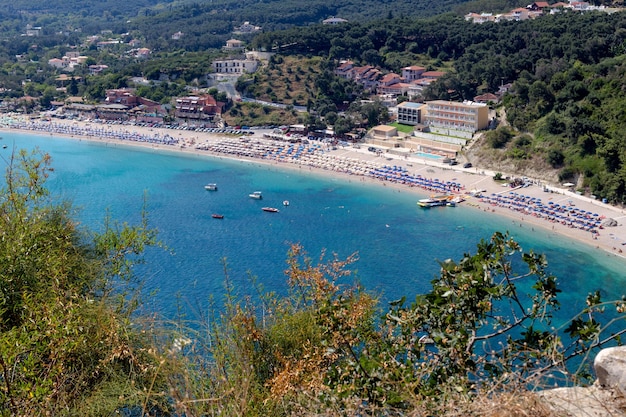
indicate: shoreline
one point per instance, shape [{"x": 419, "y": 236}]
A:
[{"x": 403, "y": 173}]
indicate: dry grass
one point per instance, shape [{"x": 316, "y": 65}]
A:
[
  {"x": 499, "y": 160},
  {"x": 291, "y": 81},
  {"x": 252, "y": 114},
  {"x": 510, "y": 404}
]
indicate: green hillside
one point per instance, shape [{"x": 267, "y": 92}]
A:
[
  {"x": 206, "y": 24},
  {"x": 566, "y": 70}
]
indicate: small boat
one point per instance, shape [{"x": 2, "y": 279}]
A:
[
  {"x": 434, "y": 201},
  {"x": 217, "y": 216},
  {"x": 211, "y": 187},
  {"x": 270, "y": 209},
  {"x": 458, "y": 199},
  {"x": 286, "y": 203},
  {"x": 256, "y": 195}
]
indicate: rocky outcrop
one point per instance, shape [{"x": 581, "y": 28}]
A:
[
  {"x": 605, "y": 398},
  {"x": 610, "y": 367}
]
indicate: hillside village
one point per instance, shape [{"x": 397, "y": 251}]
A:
[
  {"x": 517, "y": 115},
  {"x": 537, "y": 9},
  {"x": 203, "y": 111},
  {"x": 435, "y": 126},
  {"x": 439, "y": 127}
]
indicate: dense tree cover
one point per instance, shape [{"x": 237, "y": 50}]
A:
[
  {"x": 205, "y": 24},
  {"x": 484, "y": 55},
  {"x": 489, "y": 6},
  {"x": 187, "y": 67},
  {"x": 251, "y": 114},
  {"x": 62, "y": 7},
  {"x": 208, "y": 25},
  {"x": 576, "y": 114},
  {"x": 73, "y": 17}
]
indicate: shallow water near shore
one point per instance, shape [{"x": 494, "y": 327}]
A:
[{"x": 397, "y": 242}]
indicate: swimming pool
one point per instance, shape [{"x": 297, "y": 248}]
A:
[{"x": 427, "y": 155}]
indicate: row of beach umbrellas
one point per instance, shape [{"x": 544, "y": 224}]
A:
[{"x": 565, "y": 214}]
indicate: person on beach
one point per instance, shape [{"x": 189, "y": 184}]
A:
[{"x": 313, "y": 155}]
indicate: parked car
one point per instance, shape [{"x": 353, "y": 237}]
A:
[{"x": 467, "y": 165}]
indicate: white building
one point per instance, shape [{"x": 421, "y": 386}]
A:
[
  {"x": 33, "y": 30},
  {"x": 410, "y": 113},
  {"x": 246, "y": 27},
  {"x": 412, "y": 73},
  {"x": 233, "y": 45},
  {"x": 334, "y": 21},
  {"x": 235, "y": 66},
  {"x": 58, "y": 63}
]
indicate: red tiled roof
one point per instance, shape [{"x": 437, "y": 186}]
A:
[
  {"x": 371, "y": 74},
  {"x": 433, "y": 74},
  {"x": 486, "y": 97},
  {"x": 397, "y": 86},
  {"x": 389, "y": 77},
  {"x": 345, "y": 65},
  {"x": 363, "y": 70}
]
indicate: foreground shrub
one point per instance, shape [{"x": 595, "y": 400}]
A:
[
  {"x": 72, "y": 343},
  {"x": 485, "y": 329},
  {"x": 65, "y": 334}
]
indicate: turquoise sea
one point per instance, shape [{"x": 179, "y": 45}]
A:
[{"x": 398, "y": 243}]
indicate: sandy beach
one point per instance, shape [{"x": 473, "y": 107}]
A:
[{"x": 537, "y": 205}]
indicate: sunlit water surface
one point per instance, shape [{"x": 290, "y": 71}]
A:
[{"x": 398, "y": 243}]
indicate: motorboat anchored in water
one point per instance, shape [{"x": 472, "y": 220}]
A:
[
  {"x": 217, "y": 216},
  {"x": 256, "y": 195},
  {"x": 211, "y": 187},
  {"x": 270, "y": 209},
  {"x": 454, "y": 201}
]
